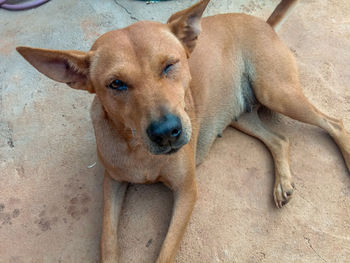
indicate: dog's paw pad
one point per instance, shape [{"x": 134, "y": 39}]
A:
[{"x": 283, "y": 192}]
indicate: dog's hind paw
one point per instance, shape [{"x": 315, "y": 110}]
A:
[{"x": 282, "y": 192}]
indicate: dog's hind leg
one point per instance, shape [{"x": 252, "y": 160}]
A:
[
  {"x": 278, "y": 145},
  {"x": 289, "y": 100},
  {"x": 277, "y": 87},
  {"x": 113, "y": 196}
]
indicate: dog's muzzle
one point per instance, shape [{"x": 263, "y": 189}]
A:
[{"x": 166, "y": 133}]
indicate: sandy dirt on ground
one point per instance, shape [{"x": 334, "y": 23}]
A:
[{"x": 51, "y": 201}]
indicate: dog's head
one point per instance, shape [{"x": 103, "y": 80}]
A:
[{"x": 140, "y": 74}]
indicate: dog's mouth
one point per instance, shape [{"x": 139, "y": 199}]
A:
[
  {"x": 172, "y": 150},
  {"x": 167, "y": 150}
]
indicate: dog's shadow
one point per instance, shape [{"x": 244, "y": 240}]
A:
[{"x": 144, "y": 222}]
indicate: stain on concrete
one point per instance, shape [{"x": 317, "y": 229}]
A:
[
  {"x": 252, "y": 7},
  {"x": 73, "y": 183},
  {"x": 6, "y": 217},
  {"x": 42, "y": 213},
  {"x": 45, "y": 222},
  {"x": 20, "y": 171},
  {"x": 76, "y": 212},
  {"x": 149, "y": 242},
  {"x": 7, "y": 44},
  {"x": 85, "y": 199},
  {"x": 89, "y": 27},
  {"x": 294, "y": 52},
  {"x": 15, "y": 213},
  {"x": 78, "y": 206},
  {"x": 73, "y": 201},
  {"x": 10, "y": 142},
  {"x": 6, "y": 134}
]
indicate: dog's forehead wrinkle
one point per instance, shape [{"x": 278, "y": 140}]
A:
[
  {"x": 114, "y": 56},
  {"x": 116, "y": 47},
  {"x": 152, "y": 37}
]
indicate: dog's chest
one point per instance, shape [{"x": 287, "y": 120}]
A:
[
  {"x": 122, "y": 163},
  {"x": 132, "y": 168}
]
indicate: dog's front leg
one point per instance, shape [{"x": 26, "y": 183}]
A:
[
  {"x": 185, "y": 196},
  {"x": 113, "y": 196}
]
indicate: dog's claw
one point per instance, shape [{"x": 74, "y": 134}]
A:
[{"x": 283, "y": 192}]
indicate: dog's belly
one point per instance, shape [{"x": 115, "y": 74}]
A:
[
  {"x": 235, "y": 99},
  {"x": 214, "y": 124},
  {"x": 221, "y": 76}
]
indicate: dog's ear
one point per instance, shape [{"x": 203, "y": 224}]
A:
[
  {"x": 186, "y": 24},
  {"x": 70, "y": 67}
]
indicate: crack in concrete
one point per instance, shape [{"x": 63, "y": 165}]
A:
[
  {"x": 126, "y": 10},
  {"x": 310, "y": 245},
  {"x": 6, "y": 133},
  {"x": 307, "y": 201}
]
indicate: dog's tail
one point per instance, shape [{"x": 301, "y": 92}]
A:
[{"x": 280, "y": 13}]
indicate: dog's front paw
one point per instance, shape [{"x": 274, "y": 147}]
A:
[{"x": 283, "y": 191}]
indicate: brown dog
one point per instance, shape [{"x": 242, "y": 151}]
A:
[{"x": 164, "y": 93}]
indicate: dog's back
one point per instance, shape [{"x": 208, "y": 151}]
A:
[{"x": 233, "y": 46}]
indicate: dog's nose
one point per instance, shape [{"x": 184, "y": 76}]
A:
[{"x": 166, "y": 130}]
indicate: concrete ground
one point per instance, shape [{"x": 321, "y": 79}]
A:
[{"x": 50, "y": 200}]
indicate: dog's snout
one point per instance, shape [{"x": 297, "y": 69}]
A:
[{"x": 165, "y": 131}]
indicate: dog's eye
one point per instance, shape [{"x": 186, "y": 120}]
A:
[
  {"x": 118, "y": 85},
  {"x": 167, "y": 68}
]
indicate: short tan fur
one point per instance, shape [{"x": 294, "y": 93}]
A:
[{"x": 201, "y": 74}]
